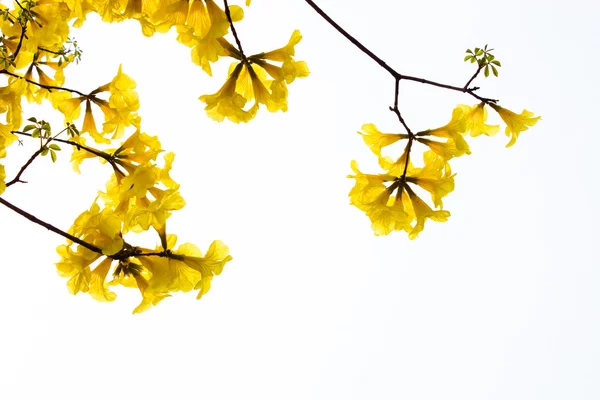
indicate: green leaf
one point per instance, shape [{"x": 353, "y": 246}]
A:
[
  {"x": 469, "y": 51},
  {"x": 486, "y": 71},
  {"x": 472, "y": 60},
  {"x": 36, "y": 133},
  {"x": 467, "y": 58},
  {"x": 53, "y": 155},
  {"x": 54, "y": 147},
  {"x": 32, "y": 119},
  {"x": 494, "y": 70},
  {"x": 27, "y": 128},
  {"x": 44, "y": 152},
  {"x": 497, "y": 63}
]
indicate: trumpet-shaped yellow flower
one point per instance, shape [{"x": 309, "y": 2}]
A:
[
  {"x": 515, "y": 123},
  {"x": 89, "y": 125},
  {"x": 98, "y": 287},
  {"x": 395, "y": 168},
  {"x": 101, "y": 228},
  {"x": 227, "y": 103},
  {"x": 476, "y": 117},
  {"x": 448, "y": 149},
  {"x": 453, "y": 130},
  {"x": 76, "y": 267},
  {"x": 150, "y": 297},
  {"x": 388, "y": 215},
  {"x": 146, "y": 213},
  {"x": 421, "y": 211},
  {"x": 367, "y": 187},
  {"x": 123, "y": 97},
  {"x": 377, "y": 140},
  {"x": 435, "y": 176},
  {"x": 185, "y": 269}
]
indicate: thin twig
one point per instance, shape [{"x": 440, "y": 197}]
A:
[
  {"x": 411, "y": 137},
  {"x": 235, "y": 35},
  {"x": 389, "y": 69},
  {"x": 473, "y": 77},
  {"x": 50, "y": 227},
  {"x": 106, "y": 156},
  {"x": 47, "y": 87},
  {"x": 32, "y": 158},
  {"x": 18, "y": 49}
]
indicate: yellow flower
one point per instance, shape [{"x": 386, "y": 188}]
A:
[
  {"x": 396, "y": 168},
  {"x": 227, "y": 103},
  {"x": 367, "y": 187},
  {"x": 386, "y": 217},
  {"x": 376, "y": 140},
  {"x": 89, "y": 125},
  {"x": 123, "y": 97},
  {"x": 448, "y": 149},
  {"x": 78, "y": 156},
  {"x": 150, "y": 297},
  {"x": 421, "y": 211},
  {"x": 101, "y": 228},
  {"x": 147, "y": 213},
  {"x": 515, "y": 123},
  {"x": 98, "y": 287},
  {"x": 76, "y": 267},
  {"x": 476, "y": 118},
  {"x": 186, "y": 268},
  {"x": 453, "y": 130}
]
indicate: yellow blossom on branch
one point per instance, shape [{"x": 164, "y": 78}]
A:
[{"x": 515, "y": 123}]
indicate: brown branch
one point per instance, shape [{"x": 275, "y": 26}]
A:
[
  {"x": 47, "y": 87},
  {"x": 58, "y": 53},
  {"x": 108, "y": 157},
  {"x": 473, "y": 77},
  {"x": 235, "y": 35},
  {"x": 17, "y": 178},
  {"x": 18, "y": 49},
  {"x": 32, "y": 158},
  {"x": 389, "y": 69},
  {"x": 50, "y": 227},
  {"x": 411, "y": 137}
]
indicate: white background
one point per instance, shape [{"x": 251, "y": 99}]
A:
[{"x": 501, "y": 302}]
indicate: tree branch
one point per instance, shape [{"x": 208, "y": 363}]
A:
[
  {"x": 50, "y": 227},
  {"x": 47, "y": 87},
  {"x": 237, "y": 39},
  {"x": 108, "y": 157},
  {"x": 389, "y": 69}
]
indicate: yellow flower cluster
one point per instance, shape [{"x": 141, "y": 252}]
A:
[
  {"x": 141, "y": 194},
  {"x": 390, "y": 200},
  {"x": 256, "y": 79}
]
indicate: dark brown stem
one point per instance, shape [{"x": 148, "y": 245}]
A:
[
  {"x": 50, "y": 227},
  {"x": 32, "y": 158},
  {"x": 235, "y": 35},
  {"x": 108, "y": 157},
  {"x": 389, "y": 69},
  {"x": 473, "y": 77},
  {"x": 47, "y": 87},
  {"x": 58, "y": 53},
  {"x": 411, "y": 137},
  {"x": 18, "y": 49}
]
